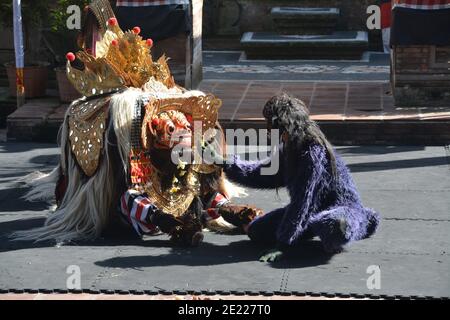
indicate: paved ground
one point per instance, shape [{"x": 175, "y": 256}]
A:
[
  {"x": 409, "y": 186},
  {"x": 349, "y": 101}
]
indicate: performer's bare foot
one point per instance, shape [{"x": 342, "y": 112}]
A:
[
  {"x": 189, "y": 233},
  {"x": 197, "y": 238}
]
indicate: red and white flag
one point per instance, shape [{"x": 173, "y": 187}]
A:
[{"x": 386, "y": 9}]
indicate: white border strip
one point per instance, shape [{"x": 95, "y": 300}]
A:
[{"x": 422, "y": 6}]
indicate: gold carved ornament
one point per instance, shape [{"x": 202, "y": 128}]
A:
[
  {"x": 87, "y": 124},
  {"x": 176, "y": 199},
  {"x": 102, "y": 11}
]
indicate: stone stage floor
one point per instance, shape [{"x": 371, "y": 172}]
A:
[{"x": 409, "y": 186}]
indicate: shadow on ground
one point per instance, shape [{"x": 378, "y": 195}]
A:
[
  {"x": 367, "y": 150},
  {"x": 224, "y": 250},
  {"x": 399, "y": 164},
  {"x": 8, "y": 147},
  {"x": 12, "y": 201},
  {"x": 308, "y": 254}
]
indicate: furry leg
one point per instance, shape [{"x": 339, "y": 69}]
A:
[
  {"x": 264, "y": 228},
  {"x": 341, "y": 225}
]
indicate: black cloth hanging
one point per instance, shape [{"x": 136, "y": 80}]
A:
[
  {"x": 420, "y": 27},
  {"x": 156, "y": 22}
]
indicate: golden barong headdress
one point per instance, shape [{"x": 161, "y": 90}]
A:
[{"x": 118, "y": 60}]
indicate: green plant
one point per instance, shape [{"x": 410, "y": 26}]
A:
[
  {"x": 33, "y": 12},
  {"x": 59, "y": 15},
  {"x": 57, "y": 37}
]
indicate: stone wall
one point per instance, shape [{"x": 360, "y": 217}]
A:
[
  {"x": 233, "y": 17},
  {"x": 225, "y": 17},
  {"x": 6, "y": 45}
]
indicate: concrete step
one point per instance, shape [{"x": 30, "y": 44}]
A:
[
  {"x": 299, "y": 20},
  {"x": 31, "y": 122},
  {"x": 340, "y": 45}
]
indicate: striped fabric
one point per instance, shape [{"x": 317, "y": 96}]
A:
[
  {"x": 144, "y": 3},
  {"x": 422, "y": 4},
  {"x": 137, "y": 210},
  {"x": 386, "y": 15},
  {"x": 386, "y": 10},
  {"x": 213, "y": 205},
  {"x": 218, "y": 200}
]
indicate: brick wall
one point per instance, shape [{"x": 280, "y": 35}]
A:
[
  {"x": 422, "y": 59},
  {"x": 412, "y": 59},
  {"x": 421, "y": 75}
]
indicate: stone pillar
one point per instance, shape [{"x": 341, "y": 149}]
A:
[{"x": 185, "y": 51}]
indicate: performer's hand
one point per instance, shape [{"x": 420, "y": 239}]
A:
[
  {"x": 210, "y": 155},
  {"x": 272, "y": 255},
  {"x": 239, "y": 215}
]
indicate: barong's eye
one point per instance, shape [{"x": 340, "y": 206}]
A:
[{"x": 170, "y": 128}]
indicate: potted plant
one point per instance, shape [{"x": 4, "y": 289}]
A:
[
  {"x": 59, "y": 40},
  {"x": 34, "y": 12}
]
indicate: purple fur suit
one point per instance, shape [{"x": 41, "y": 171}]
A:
[{"x": 321, "y": 205}]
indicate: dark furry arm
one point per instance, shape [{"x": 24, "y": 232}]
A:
[{"x": 248, "y": 173}]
